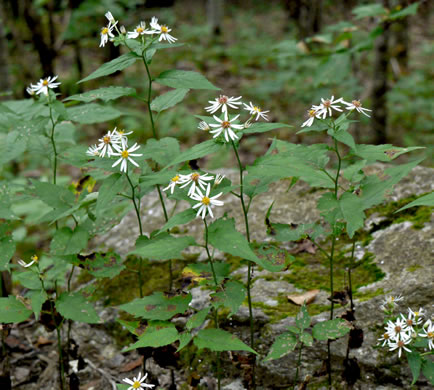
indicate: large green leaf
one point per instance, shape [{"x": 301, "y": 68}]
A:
[
  {"x": 92, "y": 113},
  {"x": 428, "y": 370},
  {"x": 69, "y": 242},
  {"x": 284, "y": 344},
  {"x": 369, "y": 10},
  {"x": 157, "y": 306},
  {"x": 28, "y": 279},
  {"x": 12, "y": 310},
  {"x": 155, "y": 335},
  {"x": 331, "y": 329},
  {"x": 184, "y": 79},
  {"x": 402, "y": 13},
  {"x": 162, "y": 247},
  {"x": 197, "y": 151},
  {"x": 232, "y": 296},
  {"x": 382, "y": 152},
  {"x": 169, "y": 99},
  {"x": 106, "y": 94},
  {"x": 197, "y": 319},
  {"x": 74, "y": 306},
  {"x": 105, "y": 265},
  {"x": 7, "y": 250},
  {"x": 351, "y": 207},
  {"x": 426, "y": 200},
  {"x": 120, "y": 63},
  {"x": 37, "y": 299},
  {"x": 220, "y": 340},
  {"x": 179, "y": 219},
  {"x": 415, "y": 364},
  {"x": 13, "y": 146},
  {"x": 264, "y": 127},
  {"x": 53, "y": 195},
  {"x": 162, "y": 151},
  {"x": 108, "y": 190}
]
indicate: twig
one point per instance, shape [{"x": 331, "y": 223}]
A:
[{"x": 105, "y": 374}]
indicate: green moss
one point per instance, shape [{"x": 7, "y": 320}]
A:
[
  {"x": 413, "y": 268},
  {"x": 366, "y": 296}
]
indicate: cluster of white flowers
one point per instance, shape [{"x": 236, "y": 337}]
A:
[
  {"x": 138, "y": 383},
  {"x": 404, "y": 329},
  {"x": 327, "y": 105},
  {"x": 198, "y": 182},
  {"x": 115, "y": 143},
  {"x": 156, "y": 28},
  {"x": 42, "y": 86},
  {"x": 226, "y": 126}
]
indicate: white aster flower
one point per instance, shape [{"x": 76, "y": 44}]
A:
[
  {"x": 122, "y": 135},
  {"x": 205, "y": 202},
  {"x": 31, "y": 90},
  {"x": 110, "y": 18},
  {"x": 139, "y": 30},
  {"x": 385, "y": 338},
  {"x": 312, "y": 114},
  {"x": 391, "y": 301},
  {"x": 412, "y": 318},
  {"x": 137, "y": 383},
  {"x": 255, "y": 110},
  {"x": 34, "y": 258},
  {"x": 93, "y": 151},
  {"x": 327, "y": 105},
  {"x": 173, "y": 182},
  {"x": 226, "y": 127},
  {"x": 43, "y": 85},
  {"x": 356, "y": 105},
  {"x": 203, "y": 126},
  {"x": 106, "y": 32},
  {"x": 163, "y": 30},
  {"x": 106, "y": 143},
  {"x": 398, "y": 329},
  {"x": 428, "y": 329},
  {"x": 125, "y": 156},
  {"x": 400, "y": 345},
  {"x": 196, "y": 180},
  {"x": 223, "y": 102},
  {"x": 417, "y": 314}
]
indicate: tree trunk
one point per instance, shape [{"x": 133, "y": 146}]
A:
[
  {"x": 4, "y": 71},
  {"x": 307, "y": 15}
]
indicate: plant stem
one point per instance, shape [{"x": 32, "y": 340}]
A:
[
  {"x": 298, "y": 364},
  {"x": 215, "y": 310},
  {"x": 53, "y": 143},
  {"x": 250, "y": 266},
  {"x": 139, "y": 221},
  {"x": 350, "y": 285}
]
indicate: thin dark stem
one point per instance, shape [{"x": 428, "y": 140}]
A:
[
  {"x": 250, "y": 265},
  {"x": 350, "y": 285},
  {"x": 160, "y": 195},
  {"x": 59, "y": 342},
  {"x": 298, "y": 364},
  {"x": 53, "y": 143}
]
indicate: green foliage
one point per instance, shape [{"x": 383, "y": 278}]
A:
[
  {"x": 161, "y": 151},
  {"x": 156, "y": 334},
  {"x": 111, "y": 186},
  {"x": 168, "y": 99},
  {"x": 415, "y": 363},
  {"x": 179, "y": 219},
  {"x": 68, "y": 242},
  {"x": 426, "y": 200},
  {"x": 259, "y": 127},
  {"x": 331, "y": 329},
  {"x": 184, "y": 79},
  {"x": 220, "y": 340},
  {"x": 197, "y": 319},
  {"x": 92, "y": 113},
  {"x": 284, "y": 344},
  {"x": 12, "y": 310},
  {"x": 428, "y": 370},
  {"x": 74, "y": 306},
  {"x": 232, "y": 296},
  {"x": 197, "y": 151},
  {"x": 303, "y": 319},
  {"x": 7, "y": 250},
  {"x": 157, "y": 306},
  {"x": 104, "y": 94}
]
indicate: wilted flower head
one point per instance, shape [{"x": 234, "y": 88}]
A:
[
  {"x": 34, "y": 258},
  {"x": 357, "y": 105},
  {"x": 327, "y": 105},
  {"x": 255, "y": 110},
  {"x": 110, "y": 18},
  {"x": 163, "y": 30},
  {"x": 203, "y": 126}
]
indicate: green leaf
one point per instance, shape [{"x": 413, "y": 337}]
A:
[
  {"x": 37, "y": 299},
  {"x": 351, "y": 207},
  {"x": 415, "y": 364},
  {"x": 382, "y": 152},
  {"x": 120, "y": 63},
  {"x": 60, "y": 109},
  {"x": 331, "y": 329},
  {"x": 284, "y": 344},
  {"x": 369, "y": 10},
  {"x": 184, "y": 339},
  {"x": 155, "y": 335},
  {"x": 162, "y": 247},
  {"x": 223, "y": 236},
  {"x": 197, "y": 151},
  {"x": 303, "y": 319},
  {"x": 179, "y": 219},
  {"x": 68, "y": 242},
  {"x": 184, "y": 79},
  {"x": 28, "y": 279},
  {"x": 74, "y": 306},
  {"x": 157, "y": 306},
  {"x": 426, "y": 200},
  {"x": 92, "y": 113},
  {"x": 13, "y": 147},
  {"x": 428, "y": 370},
  {"x": 7, "y": 250},
  {"x": 161, "y": 151},
  {"x": 161, "y": 177},
  {"x": 220, "y": 340},
  {"x": 232, "y": 296},
  {"x": 169, "y": 99},
  {"x": 343, "y": 136},
  {"x": 108, "y": 190},
  {"x": 197, "y": 319},
  {"x": 410, "y": 10},
  {"x": 272, "y": 258},
  {"x": 306, "y": 339},
  {"x": 53, "y": 195},
  {"x": 105, "y": 94},
  {"x": 12, "y": 310},
  {"x": 105, "y": 265},
  {"x": 260, "y": 127}
]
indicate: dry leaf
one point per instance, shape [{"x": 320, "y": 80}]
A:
[
  {"x": 43, "y": 341},
  {"x": 132, "y": 365},
  {"x": 304, "y": 246},
  {"x": 308, "y": 297}
]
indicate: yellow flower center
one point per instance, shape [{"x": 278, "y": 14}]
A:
[
  {"x": 256, "y": 109},
  {"x": 206, "y": 201},
  {"x": 45, "y": 83},
  {"x": 106, "y": 139},
  {"x": 136, "y": 385},
  {"x": 164, "y": 29},
  {"x": 397, "y": 329},
  {"x": 124, "y": 153},
  {"x": 311, "y": 113},
  {"x": 386, "y": 336},
  {"x": 357, "y": 103},
  {"x": 416, "y": 314},
  {"x": 195, "y": 177},
  {"x": 226, "y": 124},
  {"x": 430, "y": 335},
  {"x": 139, "y": 30},
  {"x": 121, "y": 132},
  {"x": 35, "y": 258},
  {"x": 175, "y": 179},
  {"x": 223, "y": 99},
  {"x": 104, "y": 31}
]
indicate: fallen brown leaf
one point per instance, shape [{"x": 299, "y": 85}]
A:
[
  {"x": 304, "y": 246},
  {"x": 308, "y": 297},
  {"x": 43, "y": 341},
  {"x": 132, "y": 365}
]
